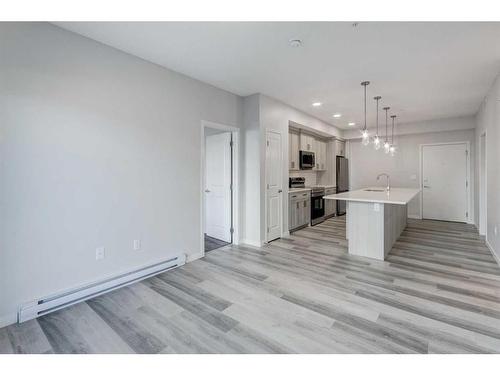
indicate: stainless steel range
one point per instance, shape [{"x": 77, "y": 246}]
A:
[
  {"x": 317, "y": 201},
  {"x": 317, "y": 205}
]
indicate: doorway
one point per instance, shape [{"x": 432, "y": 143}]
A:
[
  {"x": 483, "y": 208},
  {"x": 445, "y": 181},
  {"x": 218, "y": 166}
]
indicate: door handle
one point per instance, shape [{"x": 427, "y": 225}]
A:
[
  {"x": 207, "y": 191},
  {"x": 427, "y": 186},
  {"x": 279, "y": 191}
]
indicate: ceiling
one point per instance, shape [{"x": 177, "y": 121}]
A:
[{"x": 422, "y": 70}]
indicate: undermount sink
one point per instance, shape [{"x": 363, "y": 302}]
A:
[{"x": 377, "y": 190}]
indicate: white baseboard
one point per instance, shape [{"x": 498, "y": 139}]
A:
[
  {"x": 251, "y": 243},
  {"x": 414, "y": 217},
  {"x": 193, "y": 257},
  {"x": 497, "y": 258},
  {"x": 7, "y": 320}
]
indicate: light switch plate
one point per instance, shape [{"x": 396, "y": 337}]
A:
[
  {"x": 100, "y": 253},
  {"x": 137, "y": 244}
]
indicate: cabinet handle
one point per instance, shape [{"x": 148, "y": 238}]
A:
[
  {"x": 293, "y": 164},
  {"x": 305, "y": 203},
  {"x": 294, "y": 196},
  {"x": 297, "y": 205},
  {"x": 304, "y": 194}
]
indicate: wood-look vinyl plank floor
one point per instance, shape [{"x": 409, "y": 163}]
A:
[{"x": 437, "y": 292}]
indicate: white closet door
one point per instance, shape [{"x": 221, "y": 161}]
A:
[{"x": 444, "y": 182}]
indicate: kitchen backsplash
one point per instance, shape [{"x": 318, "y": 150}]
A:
[{"x": 310, "y": 176}]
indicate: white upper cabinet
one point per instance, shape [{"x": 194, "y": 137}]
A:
[
  {"x": 293, "y": 151},
  {"x": 306, "y": 142},
  {"x": 301, "y": 141},
  {"x": 320, "y": 155}
]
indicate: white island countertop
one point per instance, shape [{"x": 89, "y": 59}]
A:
[{"x": 377, "y": 195}]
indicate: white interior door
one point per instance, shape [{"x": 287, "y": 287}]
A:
[
  {"x": 274, "y": 181},
  {"x": 444, "y": 182},
  {"x": 218, "y": 186}
]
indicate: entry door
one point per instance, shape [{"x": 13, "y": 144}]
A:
[
  {"x": 218, "y": 186},
  {"x": 274, "y": 181},
  {"x": 444, "y": 182}
]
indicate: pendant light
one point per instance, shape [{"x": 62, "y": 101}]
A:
[
  {"x": 387, "y": 146},
  {"x": 364, "y": 133},
  {"x": 376, "y": 139},
  {"x": 392, "y": 148}
]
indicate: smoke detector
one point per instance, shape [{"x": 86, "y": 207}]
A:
[{"x": 295, "y": 43}]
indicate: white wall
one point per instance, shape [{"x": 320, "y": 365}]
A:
[
  {"x": 275, "y": 115},
  {"x": 366, "y": 163},
  {"x": 97, "y": 148},
  {"x": 251, "y": 176},
  {"x": 488, "y": 120}
]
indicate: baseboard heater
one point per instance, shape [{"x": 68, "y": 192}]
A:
[{"x": 42, "y": 306}]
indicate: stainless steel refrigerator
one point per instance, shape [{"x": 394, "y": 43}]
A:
[{"x": 342, "y": 182}]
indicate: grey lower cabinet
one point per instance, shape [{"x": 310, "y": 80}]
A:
[
  {"x": 330, "y": 205},
  {"x": 299, "y": 210}
]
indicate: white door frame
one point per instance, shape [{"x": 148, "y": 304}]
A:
[
  {"x": 265, "y": 184},
  {"x": 483, "y": 190},
  {"x": 235, "y": 171},
  {"x": 468, "y": 169}
]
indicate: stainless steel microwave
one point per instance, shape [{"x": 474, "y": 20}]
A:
[{"x": 306, "y": 159}]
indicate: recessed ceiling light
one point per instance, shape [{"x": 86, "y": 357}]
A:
[
  {"x": 295, "y": 43},
  {"x": 317, "y": 104},
  {"x": 337, "y": 115},
  {"x": 351, "y": 124}
]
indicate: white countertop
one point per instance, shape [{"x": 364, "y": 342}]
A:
[
  {"x": 324, "y": 186},
  {"x": 394, "y": 196},
  {"x": 298, "y": 190}
]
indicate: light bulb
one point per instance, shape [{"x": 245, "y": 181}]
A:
[
  {"x": 365, "y": 136},
  {"x": 387, "y": 147},
  {"x": 392, "y": 150},
  {"x": 376, "y": 142}
]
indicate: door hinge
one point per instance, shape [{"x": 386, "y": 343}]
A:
[
  {"x": 467, "y": 215},
  {"x": 231, "y": 230},
  {"x": 268, "y": 230},
  {"x": 231, "y": 187},
  {"x": 267, "y": 143},
  {"x": 466, "y": 183},
  {"x": 231, "y": 143}
]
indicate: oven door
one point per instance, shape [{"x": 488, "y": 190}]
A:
[{"x": 317, "y": 207}]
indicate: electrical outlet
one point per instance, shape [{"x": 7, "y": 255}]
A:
[
  {"x": 137, "y": 244},
  {"x": 376, "y": 207},
  {"x": 100, "y": 253}
]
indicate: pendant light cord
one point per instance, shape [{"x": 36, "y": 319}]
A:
[
  {"x": 392, "y": 137},
  {"x": 377, "y": 98},
  {"x": 386, "y": 124},
  {"x": 365, "y": 109},
  {"x": 364, "y": 84}
]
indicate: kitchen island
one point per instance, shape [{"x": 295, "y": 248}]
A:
[{"x": 375, "y": 218}]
